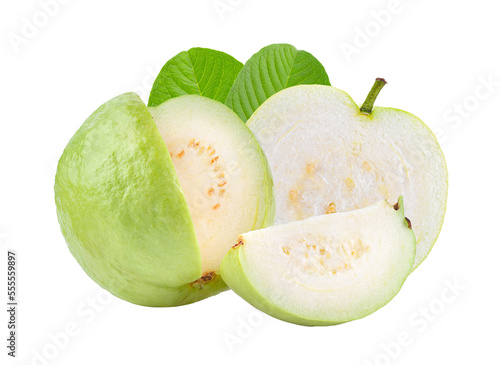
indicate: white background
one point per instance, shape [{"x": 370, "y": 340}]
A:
[{"x": 436, "y": 56}]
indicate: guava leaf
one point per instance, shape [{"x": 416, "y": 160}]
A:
[
  {"x": 270, "y": 70},
  {"x": 199, "y": 71}
]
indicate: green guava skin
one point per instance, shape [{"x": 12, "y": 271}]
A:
[
  {"x": 234, "y": 274},
  {"x": 123, "y": 213}
]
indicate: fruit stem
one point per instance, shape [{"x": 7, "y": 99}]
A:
[{"x": 367, "y": 106}]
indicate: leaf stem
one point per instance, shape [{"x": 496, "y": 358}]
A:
[{"x": 367, "y": 106}]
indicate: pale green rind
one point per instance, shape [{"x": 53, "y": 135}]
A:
[
  {"x": 199, "y": 71},
  {"x": 121, "y": 208},
  {"x": 234, "y": 267},
  {"x": 267, "y": 217},
  {"x": 234, "y": 276},
  {"x": 270, "y": 210},
  {"x": 165, "y": 296},
  {"x": 378, "y": 112},
  {"x": 273, "y": 68}
]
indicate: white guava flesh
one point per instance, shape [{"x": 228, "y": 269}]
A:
[{"x": 326, "y": 156}]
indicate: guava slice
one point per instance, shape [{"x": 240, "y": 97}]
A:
[
  {"x": 326, "y": 155},
  {"x": 123, "y": 211},
  {"x": 327, "y": 269}
]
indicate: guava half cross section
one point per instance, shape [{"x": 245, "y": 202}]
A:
[
  {"x": 327, "y": 269},
  {"x": 222, "y": 171},
  {"x": 329, "y": 155},
  {"x": 123, "y": 209}
]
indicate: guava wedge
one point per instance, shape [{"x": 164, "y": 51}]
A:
[
  {"x": 327, "y": 269},
  {"x": 122, "y": 206},
  {"x": 329, "y": 155}
]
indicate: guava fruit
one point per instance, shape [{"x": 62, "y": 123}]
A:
[
  {"x": 151, "y": 223},
  {"x": 328, "y": 155},
  {"x": 222, "y": 172},
  {"x": 327, "y": 269}
]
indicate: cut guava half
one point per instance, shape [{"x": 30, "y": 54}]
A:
[
  {"x": 327, "y": 269},
  {"x": 222, "y": 171},
  {"x": 327, "y": 155},
  {"x": 124, "y": 200}
]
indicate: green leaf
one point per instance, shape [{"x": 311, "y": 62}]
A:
[
  {"x": 270, "y": 70},
  {"x": 199, "y": 71}
]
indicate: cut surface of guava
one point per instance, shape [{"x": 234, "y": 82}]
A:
[
  {"x": 326, "y": 156},
  {"x": 222, "y": 171},
  {"x": 327, "y": 269},
  {"x": 123, "y": 211}
]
